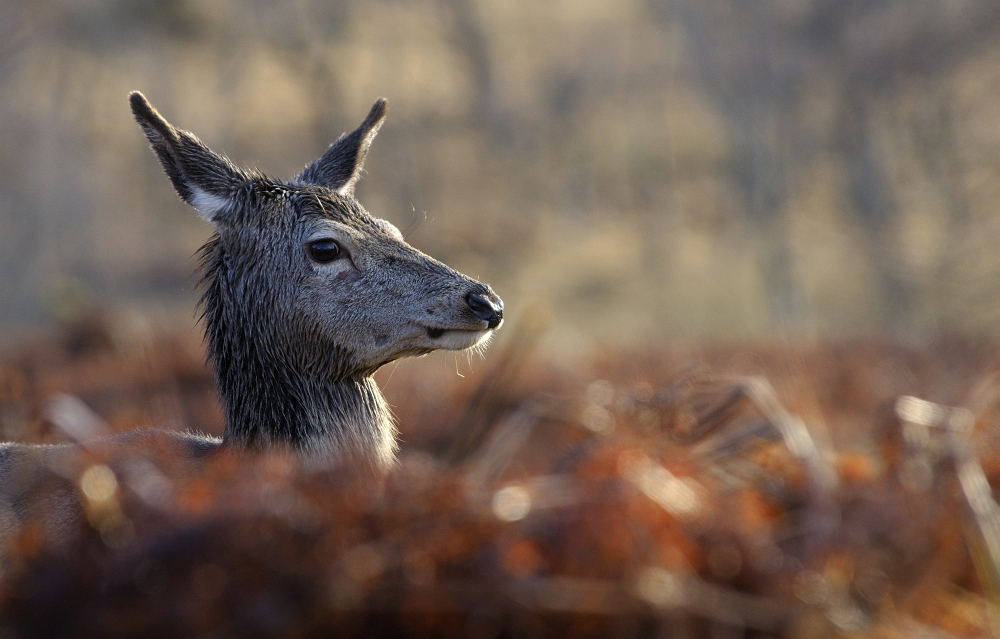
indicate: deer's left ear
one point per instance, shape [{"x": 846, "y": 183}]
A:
[
  {"x": 340, "y": 167},
  {"x": 203, "y": 179}
]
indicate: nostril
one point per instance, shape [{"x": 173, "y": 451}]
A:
[
  {"x": 485, "y": 309},
  {"x": 481, "y": 306}
]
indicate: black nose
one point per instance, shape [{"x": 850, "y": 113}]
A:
[{"x": 486, "y": 309}]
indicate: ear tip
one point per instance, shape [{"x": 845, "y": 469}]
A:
[
  {"x": 379, "y": 109},
  {"x": 138, "y": 101},
  {"x": 141, "y": 108}
]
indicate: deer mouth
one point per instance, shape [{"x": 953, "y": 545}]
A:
[{"x": 457, "y": 339}]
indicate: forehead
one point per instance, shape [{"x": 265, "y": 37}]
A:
[{"x": 318, "y": 204}]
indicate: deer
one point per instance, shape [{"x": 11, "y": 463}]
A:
[{"x": 305, "y": 296}]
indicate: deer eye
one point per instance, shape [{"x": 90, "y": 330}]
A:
[{"x": 324, "y": 251}]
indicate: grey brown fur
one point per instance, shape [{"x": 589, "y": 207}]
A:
[
  {"x": 305, "y": 296},
  {"x": 295, "y": 341}
]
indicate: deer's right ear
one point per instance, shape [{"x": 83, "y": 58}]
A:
[{"x": 203, "y": 179}]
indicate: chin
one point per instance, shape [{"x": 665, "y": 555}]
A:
[{"x": 457, "y": 340}]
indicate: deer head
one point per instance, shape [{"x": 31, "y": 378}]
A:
[{"x": 307, "y": 295}]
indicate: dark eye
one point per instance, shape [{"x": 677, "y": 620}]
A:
[{"x": 324, "y": 251}]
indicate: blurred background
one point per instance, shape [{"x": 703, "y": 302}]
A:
[
  {"x": 647, "y": 169},
  {"x": 748, "y": 224}
]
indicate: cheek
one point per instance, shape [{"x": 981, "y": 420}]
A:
[
  {"x": 323, "y": 281},
  {"x": 347, "y": 276}
]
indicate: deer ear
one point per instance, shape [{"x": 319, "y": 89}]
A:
[
  {"x": 203, "y": 179},
  {"x": 340, "y": 167}
]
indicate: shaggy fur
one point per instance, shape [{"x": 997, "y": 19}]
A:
[{"x": 294, "y": 340}]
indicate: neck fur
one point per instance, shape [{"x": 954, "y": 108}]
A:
[
  {"x": 326, "y": 423},
  {"x": 270, "y": 403}
]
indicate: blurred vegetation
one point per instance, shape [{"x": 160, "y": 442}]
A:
[
  {"x": 754, "y": 490},
  {"x": 648, "y": 168}
]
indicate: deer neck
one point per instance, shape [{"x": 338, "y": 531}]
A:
[{"x": 325, "y": 422}]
